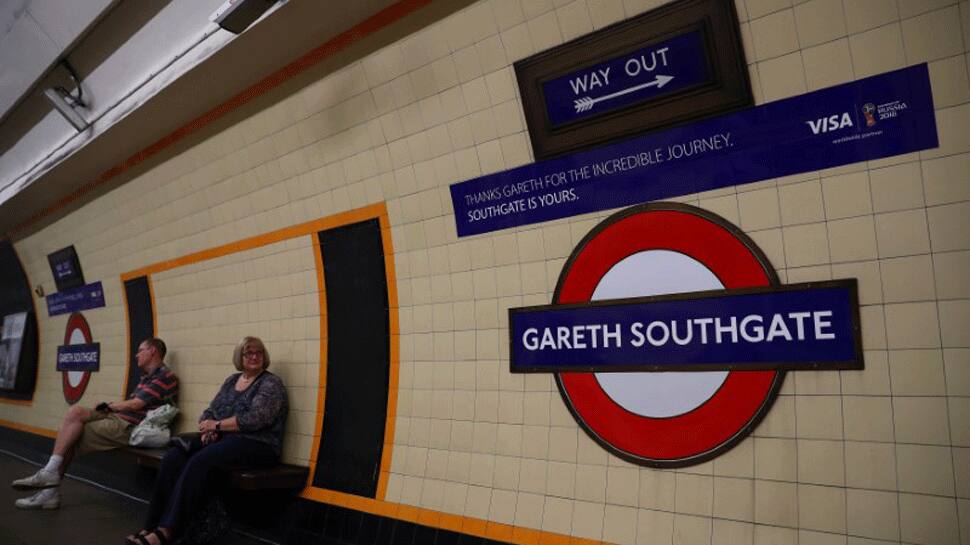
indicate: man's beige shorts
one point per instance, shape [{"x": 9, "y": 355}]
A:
[{"x": 104, "y": 432}]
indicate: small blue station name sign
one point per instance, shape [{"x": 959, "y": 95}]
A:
[
  {"x": 85, "y": 297},
  {"x": 628, "y": 79},
  {"x": 795, "y": 326}
]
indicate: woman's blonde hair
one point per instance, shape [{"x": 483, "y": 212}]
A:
[{"x": 237, "y": 354}]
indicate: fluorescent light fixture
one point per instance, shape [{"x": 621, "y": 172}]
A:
[
  {"x": 236, "y": 15},
  {"x": 58, "y": 98}
]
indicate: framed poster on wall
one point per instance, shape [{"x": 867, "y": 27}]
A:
[{"x": 11, "y": 341}]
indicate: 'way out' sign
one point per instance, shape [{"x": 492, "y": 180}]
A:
[{"x": 628, "y": 79}]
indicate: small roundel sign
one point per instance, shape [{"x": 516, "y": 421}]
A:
[
  {"x": 670, "y": 418},
  {"x": 75, "y": 382}
]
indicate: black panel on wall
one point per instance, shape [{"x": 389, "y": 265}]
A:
[
  {"x": 15, "y": 296},
  {"x": 358, "y": 359},
  {"x": 141, "y": 324}
]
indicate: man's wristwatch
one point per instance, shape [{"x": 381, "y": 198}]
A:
[{"x": 218, "y": 425}]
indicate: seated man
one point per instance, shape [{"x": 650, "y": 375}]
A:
[{"x": 109, "y": 426}]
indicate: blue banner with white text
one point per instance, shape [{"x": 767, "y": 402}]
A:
[
  {"x": 81, "y": 298},
  {"x": 798, "y": 326},
  {"x": 880, "y": 116}
]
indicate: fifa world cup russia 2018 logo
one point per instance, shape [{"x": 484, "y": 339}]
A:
[{"x": 869, "y": 110}]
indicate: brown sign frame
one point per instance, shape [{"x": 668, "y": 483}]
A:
[{"x": 728, "y": 89}]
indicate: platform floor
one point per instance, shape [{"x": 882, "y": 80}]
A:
[{"x": 88, "y": 515}]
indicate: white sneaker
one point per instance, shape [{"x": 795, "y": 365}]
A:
[
  {"x": 41, "y": 479},
  {"x": 49, "y": 498}
]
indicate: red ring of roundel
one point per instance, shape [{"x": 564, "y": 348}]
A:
[
  {"x": 744, "y": 397},
  {"x": 72, "y": 394}
]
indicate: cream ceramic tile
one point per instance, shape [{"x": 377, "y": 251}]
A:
[
  {"x": 917, "y": 372},
  {"x": 774, "y": 35},
  {"x": 774, "y": 535},
  {"x": 946, "y": 179},
  {"x": 896, "y": 188},
  {"x": 622, "y": 486},
  {"x": 775, "y": 503},
  {"x": 949, "y": 81},
  {"x": 733, "y": 498},
  {"x": 957, "y": 365},
  {"x": 605, "y": 12},
  {"x": 737, "y": 462},
  {"x": 868, "y": 418},
  {"x": 912, "y": 325},
  {"x": 878, "y": 50},
  {"x": 657, "y": 489},
  {"x": 695, "y": 494},
  {"x": 817, "y": 417},
  {"x": 821, "y": 462},
  {"x": 924, "y": 469},
  {"x": 932, "y": 36},
  {"x": 654, "y": 527},
  {"x": 959, "y": 411},
  {"x": 827, "y": 64},
  {"x": 760, "y": 8},
  {"x": 869, "y": 280},
  {"x": 782, "y": 77},
  {"x": 620, "y": 525},
  {"x": 780, "y": 420},
  {"x": 574, "y": 20},
  {"x": 801, "y": 203},
  {"x": 775, "y": 459},
  {"x": 928, "y": 519},
  {"x": 759, "y": 209},
  {"x": 949, "y": 227},
  {"x": 961, "y": 470},
  {"x": 587, "y": 520},
  {"x": 852, "y": 240},
  {"x": 904, "y": 279},
  {"x": 590, "y": 483},
  {"x": 806, "y": 245},
  {"x": 821, "y": 508},
  {"x": 870, "y": 465},
  {"x": 902, "y": 233},
  {"x": 691, "y": 530},
  {"x": 819, "y": 21},
  {"x": 951, "y": 270},
  {"x": 847, "y": 195},
  {"x": 872, "y": 514}
]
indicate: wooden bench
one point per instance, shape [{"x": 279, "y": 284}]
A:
[{"x": 283, "y": 476}]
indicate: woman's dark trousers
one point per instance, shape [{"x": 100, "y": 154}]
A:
[{"x": 184, "y": 481}]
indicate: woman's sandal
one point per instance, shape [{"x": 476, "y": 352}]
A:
[
  {"x": 142, "y": 538},
  {"x": 135, "y": 539}
]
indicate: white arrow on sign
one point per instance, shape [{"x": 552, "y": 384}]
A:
[{"x": 586, "y": 103}]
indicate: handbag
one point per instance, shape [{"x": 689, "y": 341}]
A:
[
  {"x": 152, "y": 431},
  {"x": 189, "y": 442}
]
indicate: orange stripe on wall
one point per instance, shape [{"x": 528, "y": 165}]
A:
[
  {"x": 29, "y": 429},
  {"x": 372, "y": 24}
]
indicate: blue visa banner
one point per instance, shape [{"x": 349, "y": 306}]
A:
[
  {"x": 797, "y": 326},
  {"x": 648, "y": 73},
  {"x": 875, "y": 117},
  {"x": 81, "y": 298},
  {"x": 79, "y": 357}
]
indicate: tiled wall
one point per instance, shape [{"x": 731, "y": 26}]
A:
[{"x": 877, "y": 456}]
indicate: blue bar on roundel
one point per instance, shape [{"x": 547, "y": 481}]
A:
[
  {"x": 79, "y": 357},
  {"x": 798, "y": 326}
]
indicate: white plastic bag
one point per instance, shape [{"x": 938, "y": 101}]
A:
[{"x": 153, "y": 431}]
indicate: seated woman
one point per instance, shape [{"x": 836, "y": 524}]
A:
[{"x": 243, "y": 427}]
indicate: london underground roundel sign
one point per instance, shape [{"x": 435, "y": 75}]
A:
[
  {"x": 674, "y": 418},
  {"x": 75, "y": 382}
]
